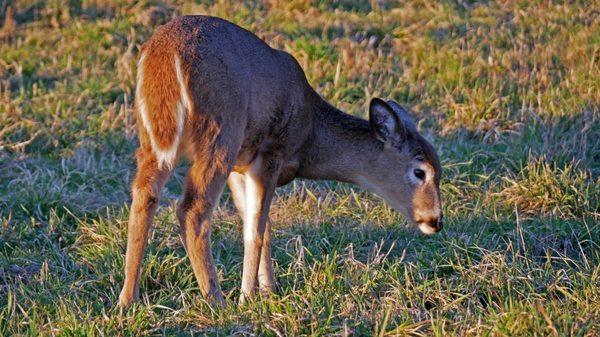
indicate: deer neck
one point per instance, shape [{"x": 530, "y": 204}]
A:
[{"x": 340, "y": 147}]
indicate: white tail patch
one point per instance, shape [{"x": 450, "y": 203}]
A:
[
  {"x": 185, "y": 98},
  {"x": 165, "y": 157}
]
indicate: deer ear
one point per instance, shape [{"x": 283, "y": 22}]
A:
[
  {"x": 386, "y": 125},
  {"x": 403, "y": 115}
]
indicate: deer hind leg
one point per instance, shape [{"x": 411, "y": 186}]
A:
[
  {"x": 147, "y": 186},
  {"x": 212, "y": 162},
  {"x": 259, "y": 186},
  {"x": 266, "y": 277}
]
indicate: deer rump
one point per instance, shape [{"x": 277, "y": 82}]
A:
[{"x": 162, "y": 103}]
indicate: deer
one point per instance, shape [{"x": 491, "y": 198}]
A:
[{"x": 244, "y": 115}]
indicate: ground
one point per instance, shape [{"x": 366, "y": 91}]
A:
[{"x": 507, "y": 91}]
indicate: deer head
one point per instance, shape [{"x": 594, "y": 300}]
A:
[{"x": 406, "y": 172}]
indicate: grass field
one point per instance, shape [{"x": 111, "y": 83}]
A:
[{"x": 509, "y": 92}]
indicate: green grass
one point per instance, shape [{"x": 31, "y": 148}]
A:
[{"x": 508, "y": 92}]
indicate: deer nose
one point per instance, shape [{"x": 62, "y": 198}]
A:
[
  {"x": 433, "y": 224},
  {"x": 437, "y": 223}
]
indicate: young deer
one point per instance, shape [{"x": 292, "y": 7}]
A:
[{"x": 244, "y": 114}]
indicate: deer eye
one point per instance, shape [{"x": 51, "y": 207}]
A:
[{"x": 420, "y": 174}]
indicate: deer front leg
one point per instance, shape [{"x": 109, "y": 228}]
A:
[
  {"x": 237, "y": 186},
  {"x": 266, "y": 277},
  {"x": 259, "y": 185}
]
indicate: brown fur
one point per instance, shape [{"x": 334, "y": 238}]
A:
[
  {"x": 161, "y": 91},
  {"x": 255, "y": 123}
]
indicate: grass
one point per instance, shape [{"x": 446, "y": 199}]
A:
[{"x": 508, "y": 92}]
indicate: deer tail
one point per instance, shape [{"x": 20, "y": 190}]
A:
[{"x": 162, "y": 103}]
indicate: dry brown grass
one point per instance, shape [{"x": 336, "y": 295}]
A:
[{"x": 507, "y": 91}]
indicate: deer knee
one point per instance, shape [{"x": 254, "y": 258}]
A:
[
  {"x": 144, "y": 198},
  {"x": 181, "y": 212},
  {"x": 194, "y": 223},
  {"x": 253, "y": 240}
]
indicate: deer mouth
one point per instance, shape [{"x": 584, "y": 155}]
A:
[
  {"x": 427, "y": 229},
  {"x": 429, "y": 223}
]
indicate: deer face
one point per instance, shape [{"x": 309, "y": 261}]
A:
[{"x": 407, "y": 171}]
